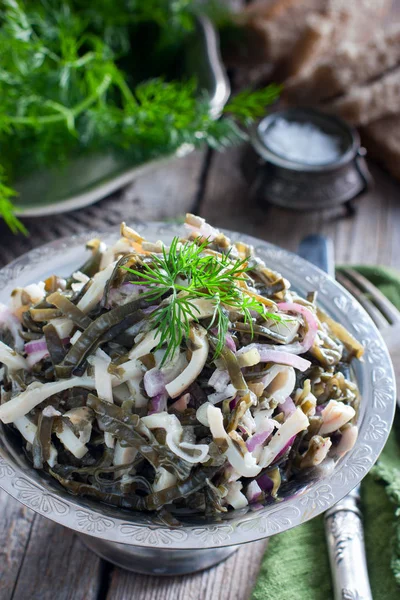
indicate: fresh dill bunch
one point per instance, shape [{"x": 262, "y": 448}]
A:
[
  {"x": 84, "y": 76},
  {"x": 184, "y": 273},
  {"x": 249, "y": 105}
]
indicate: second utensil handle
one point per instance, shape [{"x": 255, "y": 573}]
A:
[{"x": 345, "y": 537}]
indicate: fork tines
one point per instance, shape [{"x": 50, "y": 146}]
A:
[{"x": 381, "y": 310}]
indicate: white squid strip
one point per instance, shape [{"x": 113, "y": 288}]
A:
[
  {"x": 279, "y": 382},
  {"x": 132, "y": 374},
  {"x": 335, "y": 415},
  {"x": 81, "y": 418},
  {"x": 173, "y": 428},
  {"x": 124, "y": 455},
  {"x": 235, "y": 497},
  {"x": 63, "y": 326},
  {"x": 36, "y": 393},
  {"x": 245, "y": 465},
  {"x": 164, "y": 479},
  {"x": 95, "y": 292},
  {"x": 132, "y": 369},
  {"x": 11, "y": 359},
  {"x": 292, "y": 426},
  {"x": 150, "y": 341},
  {"x": 195, "y": 366},
  {"x": 71, "y": 442}
]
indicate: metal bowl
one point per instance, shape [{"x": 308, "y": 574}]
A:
[{"x": 136, "y": 540}]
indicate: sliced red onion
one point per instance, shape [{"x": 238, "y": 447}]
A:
[
  {"x": 254, "y": 506},
  {"x": 36, "y": 346},
  {"x": 36, "y": 357},
  {"x": 154, "y": 382},
  {"x": 288, "y": 407},
  {"x": 227, "y": 394},
  {"x": 259, "y": 438},
  {"x": 265, "y": 483},
  {"x": 277, "y": 356},
  {"x": 232, "y": 403},
  {"x": 319, "y": 408},
  {"x": 181, "y": 404},
  {"x": 284, "y": 449},
  {"x": 158, "y": 403},
  {"x": 219, "y": 379},
  {"x": 230, "y": 342},
  {"x": 312, "y": 323},
  {"x": 253, "y": 491},
  {"x": 150, "y": 309}
]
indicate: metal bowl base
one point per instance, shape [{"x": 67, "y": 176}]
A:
[{"x": 157, "y": 561}]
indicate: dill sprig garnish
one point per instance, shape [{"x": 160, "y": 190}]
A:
[{"x": 184, "y": 273}]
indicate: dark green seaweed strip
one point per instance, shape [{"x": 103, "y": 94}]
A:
[
  {"x": 84, "y": 489},
  {"x": 44, "y": 314},
  {"x": 231, "y": 364},
  {"x": 193, "y": 484},
  {"x": 129, "y": 428},
  {"x": 112, "y": 322},
  {"x": 261, "y": 330},
  {"x": 70, "y": 310},
  {"x": 54, "y": 344},
  {"x": 118, "y": 275},
  {"x": 42, "y": 442}
]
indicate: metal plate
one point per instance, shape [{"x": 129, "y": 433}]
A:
[{"x": 301, "y": 500}]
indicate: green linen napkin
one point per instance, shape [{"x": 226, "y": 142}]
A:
[{"x": 296, "y": 564}]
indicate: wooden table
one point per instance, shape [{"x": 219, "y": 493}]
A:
[{"x": 40, "y": 560}]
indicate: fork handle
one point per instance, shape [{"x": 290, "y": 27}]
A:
[{"x": 345, "y": 537}]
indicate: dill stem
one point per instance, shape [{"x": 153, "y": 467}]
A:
[{"x": 76, "y": 111}]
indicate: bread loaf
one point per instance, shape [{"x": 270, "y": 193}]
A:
[
  {"x": 274, "y": 27},
  {"x": 315, "y": 41},
  {"x": 358, "y": 19},
  {"x": 349, "y": 65},
  {"x": 367, "y": 103}
]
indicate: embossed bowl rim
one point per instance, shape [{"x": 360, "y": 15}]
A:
[{"x": 323, "y": 488}]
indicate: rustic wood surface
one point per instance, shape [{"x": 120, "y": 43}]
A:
[{"x": 42, "y": 560}]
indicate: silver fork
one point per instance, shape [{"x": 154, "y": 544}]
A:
[{"x": 384, "y": 314}]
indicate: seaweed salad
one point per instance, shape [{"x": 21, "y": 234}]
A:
[{"x": 175, "y": 377}]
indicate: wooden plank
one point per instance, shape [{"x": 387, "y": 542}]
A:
[
  {"x": 370, "y": 236},
  {"x": 167, "y": 191},
  {"x": 231, "y": 580},
  {"x": 15, "y": 530},
  {"x": 55, "y": 564}
]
